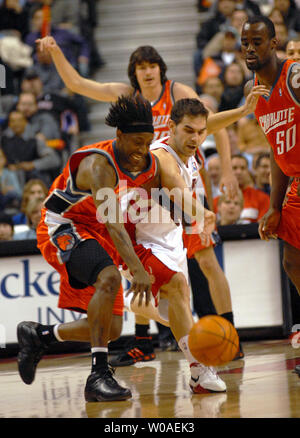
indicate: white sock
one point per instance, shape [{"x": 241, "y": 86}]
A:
[
  {"x": 56, "y": 334},
  {"x": 184, "y": 347},
  {"x": 99, "y": 350}
]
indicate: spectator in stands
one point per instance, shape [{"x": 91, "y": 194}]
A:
[
  {"x": 290, "y": 13},
  {"x": 230, "y": 209},
  {"x": 33, "y": 189},
  {"x": 33, "y": 217},
  {"x": 282, "y": 35},
  {"x": 6, "y": 227},
  {"x": 251, "y": 139},
  {"x": 47, "y": 72},
  {"x": 234, "y": 81},
  {"x": 43, "y": 124},
  {"x": 293, "y": 49},
  {"x": 10, "y": 189},
  {"x": 88, "y": 24},
  {"x": 58, "y": 104},
  {"x": 214, "y": 172},
  {"x": 256, "y": 203},
  {"x": 233, "y": 139},
  {"x": 213, "y": 86},
  {"x": 15, "y": 56},
  {"x": 276, "y": 16},
  {"x": 220, "y": 21},
  {"x": 14, "y": 17},
  {"x": 262, "y": 171},
  {"x": 27, "y": 155},
  {"x": 214, "y": 62},
  {"x": 74, "y": 47},
  {"x": 214, "y": 46},
  {"x": 251, "y": 7},
  {"x": 66, "y": 15}
]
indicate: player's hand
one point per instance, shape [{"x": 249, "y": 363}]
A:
[
  {"x": 269, "y": 224},
  {"x": 229, "y": 185},
  {"x": 252, "y": 98},
  {"x": 140, "y": 286},
  {"x": 209, "y": 222},
  {"x": 208, "y": 227},
  {"x": 47, "y": 43}
]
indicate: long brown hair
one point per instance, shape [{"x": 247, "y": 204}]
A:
[
  {"x": 26, "y": 191},
  {"x": 147, "y": 54}
]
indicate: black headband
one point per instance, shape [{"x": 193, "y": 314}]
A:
[{"x": 146, "y": 127}]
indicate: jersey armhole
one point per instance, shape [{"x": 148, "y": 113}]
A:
[
  {"x": 172, "y": 92},
  {"x": 288, "y": 79}
]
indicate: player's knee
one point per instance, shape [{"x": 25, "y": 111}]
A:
[
  {"x": 207, "y": 264},
  {"x": 109, "y": 281},
  {"x": 179, "y": 288}
]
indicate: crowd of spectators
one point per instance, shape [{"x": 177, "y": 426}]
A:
[
  {"x": 40, "y": 119},
  {"x": 220, "y": 76}
]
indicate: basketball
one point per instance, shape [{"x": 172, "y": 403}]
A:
[{"x": 213, "y": 340}]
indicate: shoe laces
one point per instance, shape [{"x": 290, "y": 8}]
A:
[{"x": 204, "y": 369}]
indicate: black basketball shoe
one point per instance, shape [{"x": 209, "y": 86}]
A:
[
  {"x": 297, "y": 370},
  {"x": 101, "y": 386},
  {"x": 31, "y": 350},
  {"x": 140, "y": 350}
]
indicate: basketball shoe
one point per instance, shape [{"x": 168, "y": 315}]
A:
[
  {"x": 101, "y": 386},
  {"x": 31, "y": 350},
  {"x": 139, "y": 350},
  {"x": 205, "y": 379},
  {"x": 297, "y": 370}
]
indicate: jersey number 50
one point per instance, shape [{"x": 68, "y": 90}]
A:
[{"x": 286, "y": 140}]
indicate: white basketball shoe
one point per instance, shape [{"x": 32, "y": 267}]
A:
[{"x": 205, "y": 379}]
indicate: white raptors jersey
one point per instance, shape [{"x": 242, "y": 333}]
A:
[{"x": 158, "y": 231}]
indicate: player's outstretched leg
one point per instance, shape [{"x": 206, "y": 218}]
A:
[{"x": 203, "y": 379}]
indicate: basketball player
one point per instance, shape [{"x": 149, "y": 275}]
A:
[
  {"x": 179, "y": 168},
  {"x": 147, "y": 74},
  {"x": 279, "y": 118},
  {"x": 73, "y": 242}
]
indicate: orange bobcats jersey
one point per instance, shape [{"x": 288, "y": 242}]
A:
[
  {"x": 161, "y": 110},
  {"x": 72, "y": 204},
  {"x": 279, "y": 117},
  {"x": 69, "y": 216}
]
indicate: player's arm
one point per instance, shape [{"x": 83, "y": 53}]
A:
[
  {"x": 106, "y": 92},
  {"x": 98, "y": 176},
  {"x": 226, "y": 118},
  {"x": 208, "y": 190},
  {"x": 279, "y": 183},
  {"x": 228, "y": 181},
  {"x": 180, "y": 193}
]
